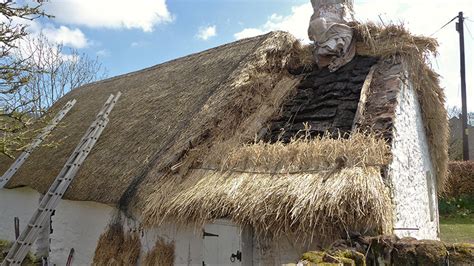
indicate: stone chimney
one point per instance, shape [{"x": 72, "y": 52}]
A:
[{"x": 330, "y": 33}]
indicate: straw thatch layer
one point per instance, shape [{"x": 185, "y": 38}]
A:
[
  {"x": 164, "y": 111},
  {"x": 116, "y": 247},
  {"x": 392, "y": 41},
  {"x": 174, "y": 146},
  {"x": 162, "y": 254},
  {"x": 322, "y": 186}
]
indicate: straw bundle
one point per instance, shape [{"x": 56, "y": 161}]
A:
[
  {"x": 162, "y": 254},
  {"x": 396, "y": 41},
  {"x": 321, "y": 186},
  {"x": 116, "y": 247}
]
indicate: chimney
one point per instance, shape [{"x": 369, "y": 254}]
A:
[{"x": 330, "y": 33}]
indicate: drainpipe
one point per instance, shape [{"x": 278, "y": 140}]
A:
[{"x": 330, "y": 33}]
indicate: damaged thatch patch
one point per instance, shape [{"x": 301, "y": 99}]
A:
[
  {"x": 392, "y": 41},
  {"x": 116, "y": 247},
  {"x": 162, "y": 254},
  {"x": 322, "y": 185}
]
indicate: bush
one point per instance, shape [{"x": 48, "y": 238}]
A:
[
  {"x": 460, "y": 206},
  {"x": 460, "y": 181}
]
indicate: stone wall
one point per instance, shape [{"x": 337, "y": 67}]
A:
[{"x": 390, "y": 250}]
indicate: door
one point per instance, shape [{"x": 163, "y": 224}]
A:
[{"x": 222, "y": 244}]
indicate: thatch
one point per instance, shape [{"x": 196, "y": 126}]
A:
[
  {"x": 164, "y": 111},
  {"x": 177, "y": 142},
  {"x": 115, "y": 247},
  {"x": 162, "y": 254},
  {"x": 321, "y": 186},
  {"x": 396, "y": 41}
]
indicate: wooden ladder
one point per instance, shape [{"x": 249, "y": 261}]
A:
[
  {"x": 50, "y": 200},
  {"x": 35, "y": 143}
]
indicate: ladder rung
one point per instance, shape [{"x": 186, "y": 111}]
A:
[{"x": 35, "y": 226}]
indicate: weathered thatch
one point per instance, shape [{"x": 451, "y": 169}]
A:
[
  {"x": 176, "y": 145},
  {"x": 162, "y": 254},
  {"x": 388, "y": 42},
  {"x": 164, "y": 111},
  {"x": 323, "y": 185},
  {"x": 115, "y": 247}
]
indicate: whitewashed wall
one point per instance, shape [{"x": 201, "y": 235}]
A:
[
  {"x": 79, "y": 225},
  {"x": 21, "y": 203},
  {"x": 408, "y": 172},
  {"x": 187, "y": 243},
  {"x": 76, "y": 224}
]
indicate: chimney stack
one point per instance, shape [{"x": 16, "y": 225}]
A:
[{"x": 330, "y": 33}]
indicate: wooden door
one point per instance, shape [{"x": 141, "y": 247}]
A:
[{"x": 222, "y": 244}]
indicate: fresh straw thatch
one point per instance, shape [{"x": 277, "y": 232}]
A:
[
  {"x": 115, "y": 247},
  {"x": 162, "y": 254},
  {"x": 389, "y": 41},
  {"x": 323, "y": 185}
]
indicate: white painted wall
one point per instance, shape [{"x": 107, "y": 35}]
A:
[
  {"x": 21, "y": 203},
  {"x": 187, "y": 243},
  {"x": 76, "y": 224},
  {"x": 408, "y": 171}
]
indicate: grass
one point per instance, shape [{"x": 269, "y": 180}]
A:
[{"x": 457, "y": 229}]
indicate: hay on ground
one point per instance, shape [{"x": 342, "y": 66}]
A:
[
  {"x": 162, "y": 254},
  {"x": 321, "y": 186},
  {"x": 396, "y": 41},
  {"x": 116, "y": 247}
]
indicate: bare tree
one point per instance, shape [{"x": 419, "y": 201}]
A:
[
  {"x": 454, "y": 111},
  {"x": 57, "y": 70},
  {"x": 34, "y": 73},
  {"x": 14, "y": 73}
]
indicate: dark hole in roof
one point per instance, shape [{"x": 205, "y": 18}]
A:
[{"x": 326, "y": 101}]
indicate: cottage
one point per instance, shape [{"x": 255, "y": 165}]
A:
[{"x": 246, "y": 154}]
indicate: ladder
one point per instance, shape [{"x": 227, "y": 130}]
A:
[
  {"x": 35, "y": 143},
  {"x": 51, "y": 199}
]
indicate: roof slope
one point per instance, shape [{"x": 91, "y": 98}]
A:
[{"x": 161, "y": 111}]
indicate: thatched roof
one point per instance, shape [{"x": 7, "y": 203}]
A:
[
  {"x": 184, "y": 141},
  {"x": 163, "y": 110}
]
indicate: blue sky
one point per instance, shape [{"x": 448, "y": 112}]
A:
[{"x": 131, "y": 35}]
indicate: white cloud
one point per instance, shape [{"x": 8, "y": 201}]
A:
[
  {"x": 296, "y": 23},
  {"x": 425, "y": 17},
  {"x": 246, "y": 33},
  {"x": 116, "y": 14},
  {"x": 103, "y": 53},
  {"x": 422, "y": 17},
  {"x": 66, "y": 36},
  {"x": 74, "y": 38},
  {"x": 204, "y": 33}
]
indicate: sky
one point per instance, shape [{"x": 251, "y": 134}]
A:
[{"x": 131, "y": 35}]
